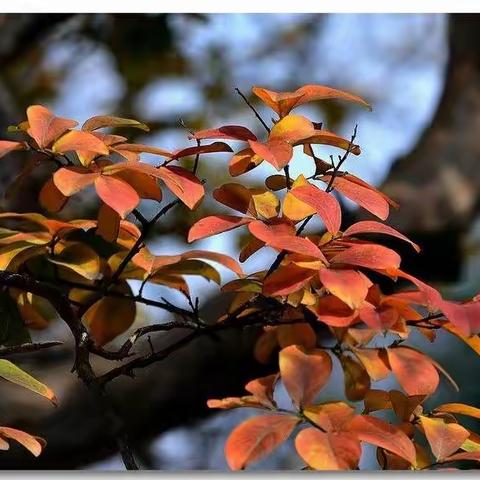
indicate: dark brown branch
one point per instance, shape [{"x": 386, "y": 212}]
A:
[{"x": 6, "y": 351}]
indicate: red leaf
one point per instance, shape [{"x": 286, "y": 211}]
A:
[
  {"x": 224, "y": 260},
  {"x": 414, "y": 371},
  {"x": 304, "y": 373},
  {"x": 209, "y": 226},
  {"x": 377, "y": 227},
  {"x": 349, "y": 286},
  {"x": 243, "y": 161},
  {"x": 276, "y": 152},
  {"x": 117, "y": 194},
  {"x": 271, "y": 236},
  {"x": 382, "y": 434},
  {"x": 326, "y": 205},
  {"x": 367, "y": 198},
  {"x": 227, "y": 132},
  {"x": 328, "y": 451},
  {"x": 257, "y": 437},
  {"x": 368, "y": 256},
  {"x": 45, "y": 127},
  {"x": 286, "y": 279}
]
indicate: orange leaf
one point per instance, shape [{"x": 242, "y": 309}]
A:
[
  {"x": 45, "y": 127},
  {"x": 183, "y": 184},
  {"x": 284, "y": 102},
  {"x": 368, "y": 256},
  {"x": 286, "y": 279},
  {"x": 51, "y": 198},
  {"x": 131, "y": 151},
  {"x": 108, "y": 223},
  {"x": 444, "y": 438},
  {"x": 374, "y": 362},
  {"x": 304, "y": 373},
  {"x": 459, "y": 408},
  {"x": 7, "y": 147},
  {"x": 414, "y": 371},
  {"x": 377, "y": 227},
  {"x": 263, "y": 388},
  {"x": 332, "y": 417},
  {"x": 243, "y": 161},
  {"x": 236, "y": 196},
  {"x": 30, "y": 442},
  {"x": 356, "y": 379},
  {"x": 349, "y": 286},
  {"x": 324, "y": 137},
  {"x": 117, "y": 194},
  {"x": 292, "y": 128},
  {"x": 210, "y": 148},
  {"x": 145, "y": 185},
  {"x": 215, "y": 224},
  {"x": 271, "y": 235},
  {"x": 227, "y": 132},
  {"x": 276, "y": 152},
  {"x": 256, "y": 438},
  {"x": 71, "y": 180},
  {"x": 328, "y": 451},
  {"x": 382, "y": 434},
  {"x": 367, "y": 198},
  {"x": 326, "y": 205},
  {"x": 78, "y": 140}
]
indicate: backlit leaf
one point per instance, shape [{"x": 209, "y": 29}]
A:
[
  {"x": 304, "y": 373},
  {"x": 209, "y": 226},
  {"x": 210, "y": 148},
  {"x": 14, "y": 374},
  {"x": 368, "y": 256},
  {"x": 45, "y": 127},
  {"x": 31, "y": 443},
  {"x": 257, "y": 437},
  {"x": 444, "y": 438},
  {"x": 78, "y": 140},
  {"x": 7, "y": 147},
  {"x": 102, "y": 121},
  {"x": 276, "y": 152},
  {"x": 183, "y": 184},
  {"x": 117, "y": 194},
  {"x": 227, "y": 132},
  {"x": 414, "y": 371},
  {"x": 243, "y": 161},
  {"x": 71, "y": 180},
  {"x": 328, "y": 451},
  {"x": 382, "y": 434}
]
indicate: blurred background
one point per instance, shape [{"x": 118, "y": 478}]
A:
[{"x": 421, "y": 72}]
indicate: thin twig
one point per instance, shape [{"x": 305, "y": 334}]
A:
[
  {"x": 265, "y": 126},
  {"x": 6, "y": 351}
]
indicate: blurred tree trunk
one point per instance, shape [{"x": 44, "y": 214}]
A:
[{"x": 438, "y": 183}]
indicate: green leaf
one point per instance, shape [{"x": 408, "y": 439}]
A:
[{"x": 14, "y": 374}]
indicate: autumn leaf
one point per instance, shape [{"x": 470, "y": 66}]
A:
[
  {"x": 78, "y": 140},
  {"x": 328, "y": 451},
  {"x": 276, "y": 152},
  {"x": 256, "y": 438},
  {"x": 444, "y": 438},
  {"x": 262, "y": 388},
  {"x": 368, "y": 256},
  {"x": 31, "y": 443},
  {"x": 376, "y": 227},
  {"x": 292, "y": 128},
  {"x": 287, "y": 279},
  {"x": 350, "y": 286},
  {"x": 244, "y": 161},
  {"x": 304, "y": 373},
  {"x": 102, "y": 121},
  {"x": 460, "y": 409},
  {"x": 201, "y": 149},
  {"x": 7, "y": 147},
  {"x": 117, "y": 194},
  {"x": 331, "y": 417},
  {"x": 183, "y": 184},
  {"x": 45, "y": 127},
  {"x": 356, "y": 379},
  {"x": 382, "y": 434},
  {"x": 227, "y": 132},
  {"x": 414, "y": 370},
  {"x": 71, "y": 180},
  {"x": 215, "y": 224},
  {"x": 326, "y": 205}
]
